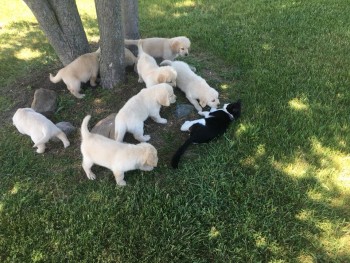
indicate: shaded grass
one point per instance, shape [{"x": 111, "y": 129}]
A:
[{"x": 275, "y": 188}]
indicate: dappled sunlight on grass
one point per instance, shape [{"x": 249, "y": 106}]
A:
[
  {"x": 186, "y": 3},
  {"x": 28, "y": 54},
  {"x": 298, "y": 168},
  {"x": 298, "y": 104}
]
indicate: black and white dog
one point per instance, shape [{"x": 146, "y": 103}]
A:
[{"x": 206, "y": 129}]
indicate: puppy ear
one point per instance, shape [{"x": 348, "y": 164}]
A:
[
  {"x": 203, "y": 103},
  {"x": 175, "y": 45},
  {"x": 161, "y": 78},
  {"x": 163, "y": 98}
]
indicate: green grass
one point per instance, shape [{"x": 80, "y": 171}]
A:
[{"x": 275, "y": 188}]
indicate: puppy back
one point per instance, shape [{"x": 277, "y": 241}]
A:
[{"x": 84, "y": 126}]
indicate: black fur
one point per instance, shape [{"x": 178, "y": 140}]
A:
[{"x": 215, "y": 125}]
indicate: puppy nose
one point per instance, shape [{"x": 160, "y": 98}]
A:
[{"x": 186, "y": 54}]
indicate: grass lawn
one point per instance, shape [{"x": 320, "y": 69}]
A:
[{"x": 275, "y": 188}]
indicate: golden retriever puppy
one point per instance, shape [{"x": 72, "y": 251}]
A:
[
  {"x": 116, "y": 156},
  {"x": 130, "y": 59},
  {"x": 137, "y": 109},
  {"x": 38, "y": 127},
  {"x": 194, "y": 86},
  {"x": 164, "y": 48},
  {"x": 82, "y": 69},
  {"x": 150, "y": 73}
]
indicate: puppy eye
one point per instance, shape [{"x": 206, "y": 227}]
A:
[
  {"x": 182, "y": 48},
  {"x": 213, "y": 101}
]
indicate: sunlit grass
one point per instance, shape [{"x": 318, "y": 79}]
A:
[{"x": 274, "y": 188}]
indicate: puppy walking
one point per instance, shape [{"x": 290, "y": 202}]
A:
[
  {"x": 195, "y": 87},
  {"x": 82, "y": 69},
  {"x": 116, "y": 156},
  {"x": 137, "y": 109},
  {"x": 38, "y": 127},
  {"x": 149, "y": 71},
  {"x": 164, "y": 48}
]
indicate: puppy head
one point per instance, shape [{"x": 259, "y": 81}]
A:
[
  {"x": 211, "y": 99},
  {"x": 165, "y": 94},
  {"x": 234, "y": 109},
  {"x": 167, "y": 75},
  {"x": 180, "y": 45},
  {"x": 149, "y": 155}
]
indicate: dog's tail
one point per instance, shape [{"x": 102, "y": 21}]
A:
[
  {"x": 131, "y": 41},
  {"x": 57, "y": 78},
  {"x": 176, "y": 157},
  {"x": 139, "y": 45},
  {"x": 166, "y": 63},
  {"x": 119, "y": 131},
  {"x": 84, "y": 127}
]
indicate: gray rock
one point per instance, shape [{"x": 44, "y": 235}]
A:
[
  {"x": 66, "y": 127},
  {"x": 45, "y": 102},
  {"x": 105, "y": 127},
  {"x": 183, "y": 110}
]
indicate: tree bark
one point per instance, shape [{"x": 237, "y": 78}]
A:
[
  {"x": 109, "y": 16},
  {"x": 131, "y": 19},
  {"x": 61, "y": 23}
]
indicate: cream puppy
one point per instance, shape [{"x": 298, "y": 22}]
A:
[
  {"x": 165, "y": 48},
  {"x": 130, "y": 59},
  {"x": 150, "y": 73},
  {"x": 38, "y": 127},
  {"x": 116, "y": 156},
  {"x": 194, "y": 86},
  {"x": 82, "y": 69},
  {"x": 137, "y": 109}
]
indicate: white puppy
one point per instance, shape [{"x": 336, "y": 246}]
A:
[
  {"x": 116, "y": 156},
  {"x": 151, "y": 73},
  {"x": 165, "y": 48},
  {"x": 82, "y": 69},
  {"x": 137, "y": 109},
  {"x": 194, "y": 86},
  {"x": 38, "y": 127}
]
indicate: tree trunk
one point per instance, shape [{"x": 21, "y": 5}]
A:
[
  {"x": 62, "y": 26},
  {"x": 131, "y": 19},
  {"x": 109, "y": 16}
]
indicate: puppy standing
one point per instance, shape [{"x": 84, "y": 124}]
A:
[
  {"x": 116, "y": 156},
  {"x": 137, "y": 109},
  {"x": 194, "y": 86},
  {"x": 165, "y": 48},
  {"x": 82, "y": 69},
  {"x": 38, "y": 127},
  {"x": 151, "y": 73}
]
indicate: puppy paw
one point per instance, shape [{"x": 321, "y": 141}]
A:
[
  {"x": 162, "y": 121},
  {"x": 91, "y": 176},
  {"x": 186, "y": 126},
  {"x": 121, "y": 183},
  {"x": 146, "y": 138},
  {"x": 79, "y": 96}
]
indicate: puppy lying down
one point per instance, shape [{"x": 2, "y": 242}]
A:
[
  {"x": 38, "y": 127},
  {"x": 206, "y": 129},
  {"x": 195, "y": 87},
  {"x": 137, "y": 109},
  {"x": 149, "y": 71},
  {"x": 82, "y": 69},
  {"x": 116, "y": 156},
  {"x": 165, "y": 48}
]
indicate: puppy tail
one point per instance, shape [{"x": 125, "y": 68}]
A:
[
  {"x": 57, "y": 78},
  {"x": 176, "y": 157},
  {"x": 84, "y": 127},
  {"x": 119, "y": 131},
  {"x": 166, "y": 63},
  {"x": 131, "y": 41},
  {"x": 139, "y": 45}
]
